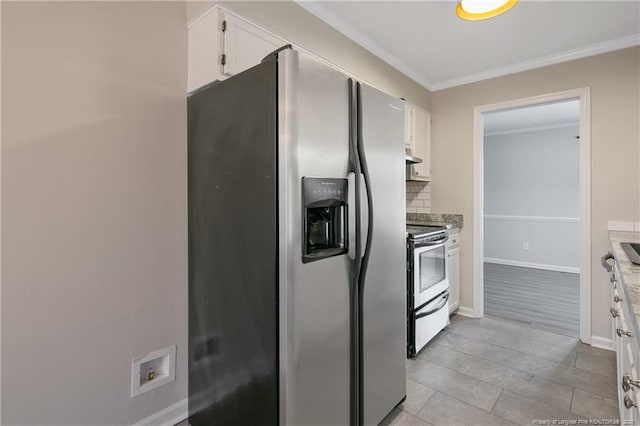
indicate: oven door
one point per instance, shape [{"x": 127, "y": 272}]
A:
[
  {"x": 430, "y": 319},
  {"x": 430, "y": 272}
]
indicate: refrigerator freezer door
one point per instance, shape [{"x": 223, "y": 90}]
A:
[
  {"x": 313, "y": 126},
  {"x": 385, "y": 280}
]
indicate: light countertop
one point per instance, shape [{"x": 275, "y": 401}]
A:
[{"x": 453, "y": 222}]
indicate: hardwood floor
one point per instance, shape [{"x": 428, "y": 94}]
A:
[
  {"x": 546, "y": 300},
  {"x": 493, "y": 372}
]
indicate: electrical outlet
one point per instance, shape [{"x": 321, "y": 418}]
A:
[{"x": 525, "y": 246}]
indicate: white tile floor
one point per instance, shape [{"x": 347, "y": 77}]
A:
[{"x": 493, "y": 372}]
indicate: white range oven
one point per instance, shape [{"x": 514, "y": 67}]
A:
[{"x": 427, "y": 285}]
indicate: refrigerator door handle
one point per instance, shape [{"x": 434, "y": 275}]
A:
[
  {"x": 367, "y": 203},
  {"x": 364, "y": 214},
  {"x": 351, "y": 211},
  {"x": 366, "y": 251}
]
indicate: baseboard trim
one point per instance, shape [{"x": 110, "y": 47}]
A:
[
  {"x": 602, "y": 343},
  {"x": 465, "y": 312},
  {"x": 169, "y": 416},
  {"x": 557, "y": 268}
]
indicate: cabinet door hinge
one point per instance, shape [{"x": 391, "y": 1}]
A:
[
  {"x": 223, "y": 59},
  {"x": 224, "y": 25}
]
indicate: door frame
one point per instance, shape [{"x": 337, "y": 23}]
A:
[{"x": 583, "y": 95}]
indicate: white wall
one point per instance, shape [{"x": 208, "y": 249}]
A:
[
  {"x": 94, "y": 207},
  {"x": 531, "y": 194},
  {"x": 615, "y": 88},
  {"x": 553, "y": 245}
]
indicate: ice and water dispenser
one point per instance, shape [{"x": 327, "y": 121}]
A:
[{"x": 325, "y": 213}]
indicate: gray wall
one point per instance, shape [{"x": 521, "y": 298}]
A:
[
  {"x": 534, "y": 173},
  {"x": 615, "y": 88},
  {"x": 94, "y": 236}
]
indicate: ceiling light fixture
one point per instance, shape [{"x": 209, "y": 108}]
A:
[{"x": 477, "y": 10}]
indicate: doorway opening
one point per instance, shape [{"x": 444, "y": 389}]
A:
[
  {"x": 532, "y": 212},
  {"x": 531, "y": 216}
]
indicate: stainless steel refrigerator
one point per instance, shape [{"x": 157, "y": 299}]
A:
[{"x": 297, "y": 294}]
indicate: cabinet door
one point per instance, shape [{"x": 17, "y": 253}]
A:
[
  {"x": 626, "y": 414},
  {"x": 421, "y": 148},
  {"x": 409, "y": 126},
  {"x": 245, "y": 45},
  {"x": 204, "y": 50},
  {"x": 631, "y": 415},
  {"x": 454, "y": 278},
  {"x": 619, "y": 348},
  {"x": 422, "y": 144},
  {"x": 632, "y": 353}
]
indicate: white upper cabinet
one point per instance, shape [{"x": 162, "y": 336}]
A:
[
  {"x": 205, "y": 44},
  {"x": 418, "y": 141},
  {"x": 222, "y": 44},
  {"x": 245, "y": 45},
  {"x": 409, "y": 124}
]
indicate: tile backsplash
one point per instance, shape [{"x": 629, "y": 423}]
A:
[{"x": 418, "y": 197}]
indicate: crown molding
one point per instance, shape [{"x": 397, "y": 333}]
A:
[
  {"x": 534, "y": 128},
  {"x": 348, "y": 30},
  {"x": 569, "y": 55},
  {"x": 358, "y": 37}
]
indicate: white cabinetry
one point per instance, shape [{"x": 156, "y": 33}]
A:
[
  {"x": 409, "y": 123},
  {"x": 245, "y": 45},
  {"x": 418, "y": 142},
  {"x": 453, "y": 253},
  {"x": 627, "y": 353},
  {"x": 222, "y": 44},
  {"x": 205, "y": 45}
]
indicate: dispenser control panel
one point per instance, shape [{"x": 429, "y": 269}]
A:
[{"x": 324, "y": 215}]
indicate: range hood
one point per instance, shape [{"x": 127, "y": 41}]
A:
[{"x": 410, "y": 159}]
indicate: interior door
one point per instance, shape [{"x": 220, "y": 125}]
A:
[{"x": 384, "y": 305}]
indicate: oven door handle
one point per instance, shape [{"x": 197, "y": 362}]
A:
[
  {"x": 434, "y": 310},
  {"x": 421, "y": 244},
  {"x": 442, "y": 240}
]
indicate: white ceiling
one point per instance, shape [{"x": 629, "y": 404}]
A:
[
  {"x": 428, "y": 42},
  {"x": 559, "y": 114}
]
